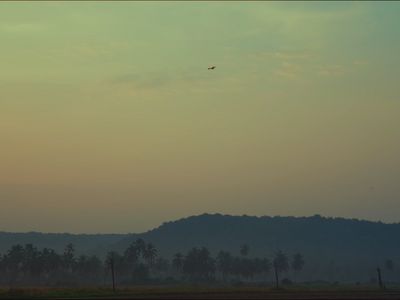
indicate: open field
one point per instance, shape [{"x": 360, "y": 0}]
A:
[{"x": 196, "y": 293}]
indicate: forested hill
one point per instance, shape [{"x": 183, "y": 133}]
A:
[
  {"x": 314, "y": 236},
  {"x": 333, "y": 248}
]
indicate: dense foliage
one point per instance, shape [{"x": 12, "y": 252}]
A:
[
  {"x": 236, "y": 249},
  {"x": 139, "y": 263}
]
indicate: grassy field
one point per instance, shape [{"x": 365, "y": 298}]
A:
[{"x": 198, "y": 293}]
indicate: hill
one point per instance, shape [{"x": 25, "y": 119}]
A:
[
  {"x": 343, "y": 246},
  {"x": 332, "y": 247},
  {"x": 265, "y": 234}
]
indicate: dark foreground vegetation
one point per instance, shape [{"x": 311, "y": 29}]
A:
[
  {"x": 334, "y": 249},
  {"x": 141, "y": 264},
  {"x": 338, "y": 259}
]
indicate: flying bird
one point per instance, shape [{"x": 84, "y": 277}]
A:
[{"x": 211, "y": 68}]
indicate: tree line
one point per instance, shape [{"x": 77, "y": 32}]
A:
[{"x": 140, "y": 263}]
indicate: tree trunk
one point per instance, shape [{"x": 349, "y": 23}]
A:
[
  {"x": 276, "y": 277},
  {"x": 113, "y": 274},
  {"x": 380, "y": 278}
]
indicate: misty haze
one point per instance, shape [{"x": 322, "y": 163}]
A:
[{"x": 200, "y": 150}]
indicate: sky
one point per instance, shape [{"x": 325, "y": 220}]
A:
[{"x": 111, "y": 122}]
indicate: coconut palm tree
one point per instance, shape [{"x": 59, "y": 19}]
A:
[
  {"x": 140, "y": 245},
  {"x": 177, "y": 261},
  {"x": 131, "y": 254},
  {"x": 149, "y": 254},
  {"x": 224, "y": 263},
  {"x": 198, "y": 264},
  {"x": 280, "y": 264},
  {"x": 13, "y": 263},
  {"x": 69, "y": 257},
  {"x": 297, "y": 263},
  {"x": 111, "y": 259},
  {"x": 50, "y": 261}
]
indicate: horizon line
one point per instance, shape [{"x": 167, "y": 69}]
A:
[{"x": 200, "y": 215}]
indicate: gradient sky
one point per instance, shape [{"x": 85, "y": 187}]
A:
[{"x": 111, "y": 122}]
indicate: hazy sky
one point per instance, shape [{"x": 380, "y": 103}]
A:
[{"x": 111, "y": 122}]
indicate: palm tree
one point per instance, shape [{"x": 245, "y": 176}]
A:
[
  {"x": 50, "y": 261},
  {"x": 69, "y": 257},
  {"x": 31, "y": 264},
  {"x": 381, "y": 285},
  {"x": 224, "y": 263},
  {"x": 140, "y": 245},
  {"x": 110, "y": 262},
  {"x": 131, "y": 254},
  {"x": 198, "y": 264},
  {"x": 13, "y": 262},
  {"x": 280, "y": 264},
  {"x": 177, "y": 261},
  {"x": 149, "y": 254},
  {"x": 297, "y": 262}
]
